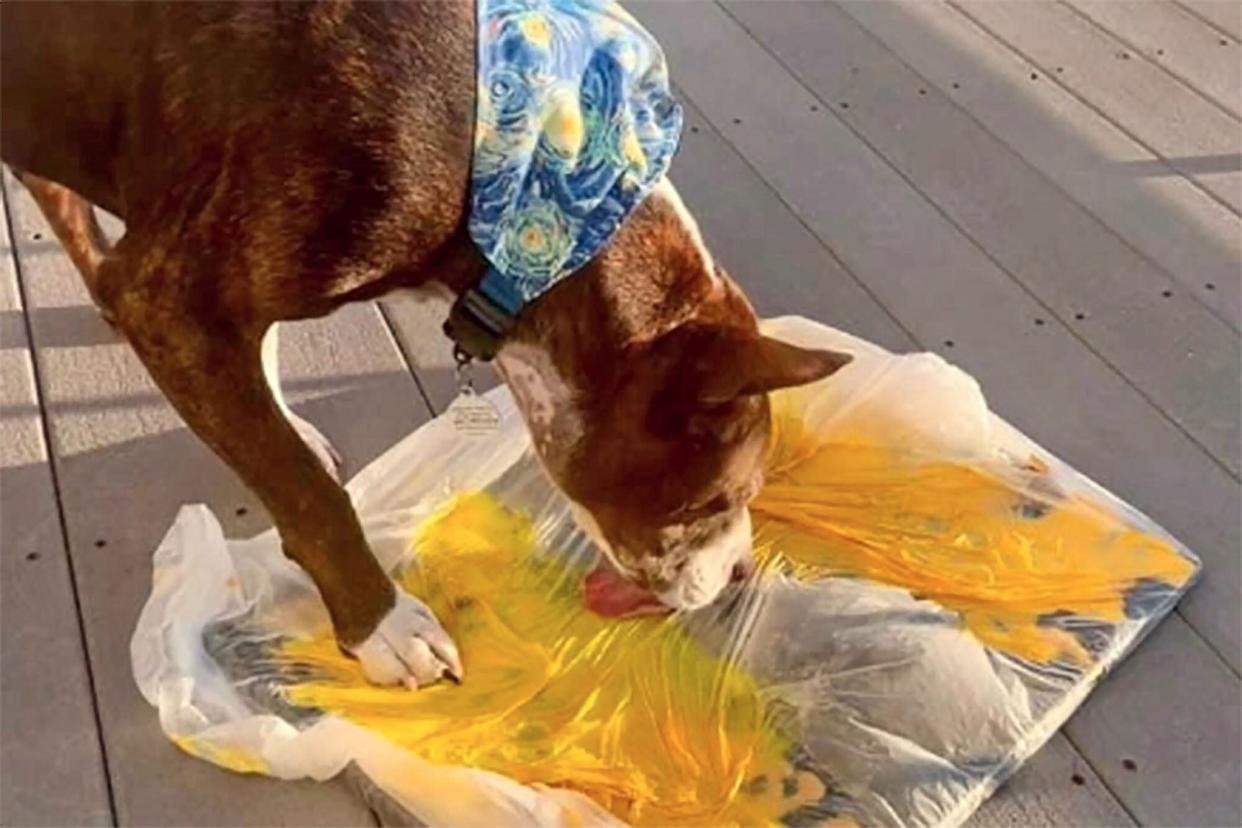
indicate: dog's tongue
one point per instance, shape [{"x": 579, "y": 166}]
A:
[{"x": 609, "y": 594}]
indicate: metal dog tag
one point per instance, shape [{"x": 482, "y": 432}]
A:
[{"x": 472, "y": 415}]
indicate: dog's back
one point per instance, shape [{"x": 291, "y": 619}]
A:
[
  {"x": 57, "y": 59},
  {"x": 341, "y": 128}
]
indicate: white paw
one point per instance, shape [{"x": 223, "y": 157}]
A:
[
  {"x": 319, "y": 444},
  {"x": 409, "y": 647}
]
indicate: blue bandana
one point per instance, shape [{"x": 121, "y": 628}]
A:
[{"x": 574, "y": 125}]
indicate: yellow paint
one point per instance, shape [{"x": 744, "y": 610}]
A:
[
  {"x": 235, "y": 759},
  {"x": 633, "y": 150},
  {"x": 536, "y": 30},
  {"x": 633, "y": 714},
  {"x": 563, "y": 122},
  {"x": 952, "y": 533},
  {"x": 533, "y": 238}
]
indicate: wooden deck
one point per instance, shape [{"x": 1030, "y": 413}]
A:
[{"x": 1048, "y": 194}]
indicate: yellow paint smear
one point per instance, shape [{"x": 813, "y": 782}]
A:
[
  {"x": 954, "y": 534},
  {"x": 235, "y": 759},
  {"x": 634, "y": 714}
]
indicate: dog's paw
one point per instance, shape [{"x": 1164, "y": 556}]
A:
[
  {"x": 409, "y": 647},
  {"x": 319, "y": 444}
]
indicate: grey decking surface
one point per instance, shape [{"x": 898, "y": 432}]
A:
[{"x": 1048, "y": 194}]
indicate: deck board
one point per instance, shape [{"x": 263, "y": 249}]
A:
[
  {"x": 49, "y": 744},
  {"x": 1174, "y": 715},
  {"x": 1166, "y": 218},
  {"x": 1183, "y": 45},
  {"x": 784, "y": 269},
  {"x": 1171, "y": 347},
  {"x": 1190, "y": 134},
  {"x": 1223, "y": 15},
  {"x": 1056, "y": 788},
  {"x": 125, "y": 464}
]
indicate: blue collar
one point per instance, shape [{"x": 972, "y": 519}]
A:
[{"x": 574, "y": 124}]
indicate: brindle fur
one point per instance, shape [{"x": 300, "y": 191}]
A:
[{"x": 273, "y": 161}]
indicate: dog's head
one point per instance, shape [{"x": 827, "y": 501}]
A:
[{"x": 644, "y": 381}]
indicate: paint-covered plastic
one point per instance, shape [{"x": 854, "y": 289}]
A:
[{"x": 935, "y": 595}]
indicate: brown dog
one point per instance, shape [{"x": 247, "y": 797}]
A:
[{"x": 275, "y": 161}]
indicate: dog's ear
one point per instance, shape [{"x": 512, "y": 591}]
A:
[{"x": 744, "y": 364}]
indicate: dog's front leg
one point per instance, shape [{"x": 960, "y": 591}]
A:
[{"x": 210, "y": 368}]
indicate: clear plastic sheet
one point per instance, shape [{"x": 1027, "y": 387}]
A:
[{"x": 935, "y": 596}]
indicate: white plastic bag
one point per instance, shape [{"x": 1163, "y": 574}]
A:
[{"x": 890, "y": 708}]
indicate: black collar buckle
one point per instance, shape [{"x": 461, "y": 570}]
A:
[{"x": 478, "y": 325}]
